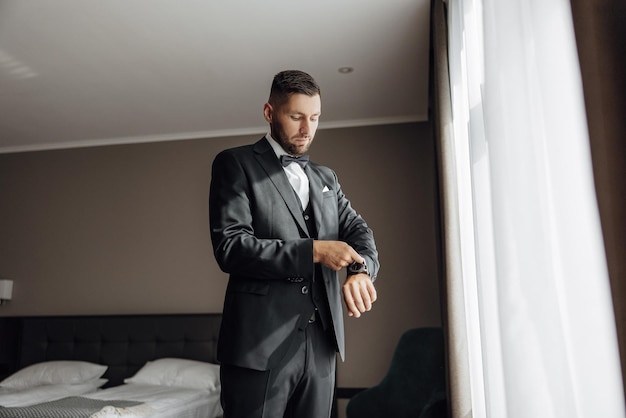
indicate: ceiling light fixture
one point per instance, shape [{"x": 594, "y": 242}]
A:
[{"x": 345, "y": 70}]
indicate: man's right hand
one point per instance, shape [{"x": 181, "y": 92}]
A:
[{"x": 335, "y": 254}]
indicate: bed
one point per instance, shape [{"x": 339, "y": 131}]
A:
[{"x": 158, "y": 366}]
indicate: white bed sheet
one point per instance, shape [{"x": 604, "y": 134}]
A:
[
  {"x": 166, "y": 401},
  {"x": 44, "y": 393}
]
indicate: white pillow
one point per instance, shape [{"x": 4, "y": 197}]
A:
[
  {"x": 64, "y": 372},
  {"x": 180, "y": 373}
]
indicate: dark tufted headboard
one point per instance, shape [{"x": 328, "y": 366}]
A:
[{"x": 122, "y": 342}]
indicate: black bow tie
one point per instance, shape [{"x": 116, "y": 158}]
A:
[{"x": 303, "y": 160}]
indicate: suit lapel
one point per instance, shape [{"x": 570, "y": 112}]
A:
[
  {"x": 315, "y": 197},
  {"x": 267, "y": 158}
]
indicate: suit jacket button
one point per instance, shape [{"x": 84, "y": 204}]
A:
[{"x": 305, "y": 290}]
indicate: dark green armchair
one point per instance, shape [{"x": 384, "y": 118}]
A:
[{"x": 414, "y": 386}]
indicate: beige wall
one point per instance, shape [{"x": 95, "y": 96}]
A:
[{"x": 123, "y": 229}]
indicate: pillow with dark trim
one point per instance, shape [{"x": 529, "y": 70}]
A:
[
  {"x": 180, "y": 373},
  {"x": 64, "y": 372}
]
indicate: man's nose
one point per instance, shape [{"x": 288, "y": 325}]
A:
[{"x": 305, "y": 127}]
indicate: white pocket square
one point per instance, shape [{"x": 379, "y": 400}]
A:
[{"x": 325, "y": 189}]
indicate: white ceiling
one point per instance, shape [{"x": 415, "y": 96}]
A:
[{"x": 92, "y": 72}]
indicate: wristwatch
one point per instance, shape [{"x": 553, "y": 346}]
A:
[{"x": 357, "y": 268}]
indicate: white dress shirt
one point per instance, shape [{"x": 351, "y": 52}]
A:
[{"x": 295, "y": 173}]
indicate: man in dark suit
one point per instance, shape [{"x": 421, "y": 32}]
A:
[{"x": 282, "y": 228}]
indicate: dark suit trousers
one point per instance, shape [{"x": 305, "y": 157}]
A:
[{"x": 302, "y": 387}]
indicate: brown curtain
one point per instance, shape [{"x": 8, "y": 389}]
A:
[
  {"x": 600, "y": 28},
  {"x": 452, "y": 286}
]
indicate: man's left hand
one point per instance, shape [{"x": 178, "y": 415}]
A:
[{"x": 359, "y": 294}]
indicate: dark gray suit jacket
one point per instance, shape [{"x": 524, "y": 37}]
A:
[{"x": 260, "y": 238}]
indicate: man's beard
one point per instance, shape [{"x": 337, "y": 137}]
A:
[{"x": 278, "y": 133}]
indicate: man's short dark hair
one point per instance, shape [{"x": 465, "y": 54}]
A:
[{"x": 289, "y": 82}]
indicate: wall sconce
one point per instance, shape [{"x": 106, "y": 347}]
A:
[{"x": 6, "y": 290}]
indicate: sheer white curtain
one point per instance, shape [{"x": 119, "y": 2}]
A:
[{"x": 541, "y": 338}]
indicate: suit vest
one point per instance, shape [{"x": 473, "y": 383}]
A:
[{"x": 318, "y": 299}]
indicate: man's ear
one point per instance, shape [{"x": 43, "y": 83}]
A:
[{"x": 267, "y": 112}]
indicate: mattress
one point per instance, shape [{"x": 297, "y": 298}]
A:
[
  {"x": 165, "y": 401},
  {"x": 43, "y": 393},
  {"x": 157, "y": 401}
]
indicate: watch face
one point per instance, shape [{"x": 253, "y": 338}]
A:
[{"x": 356, "y": 267}]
